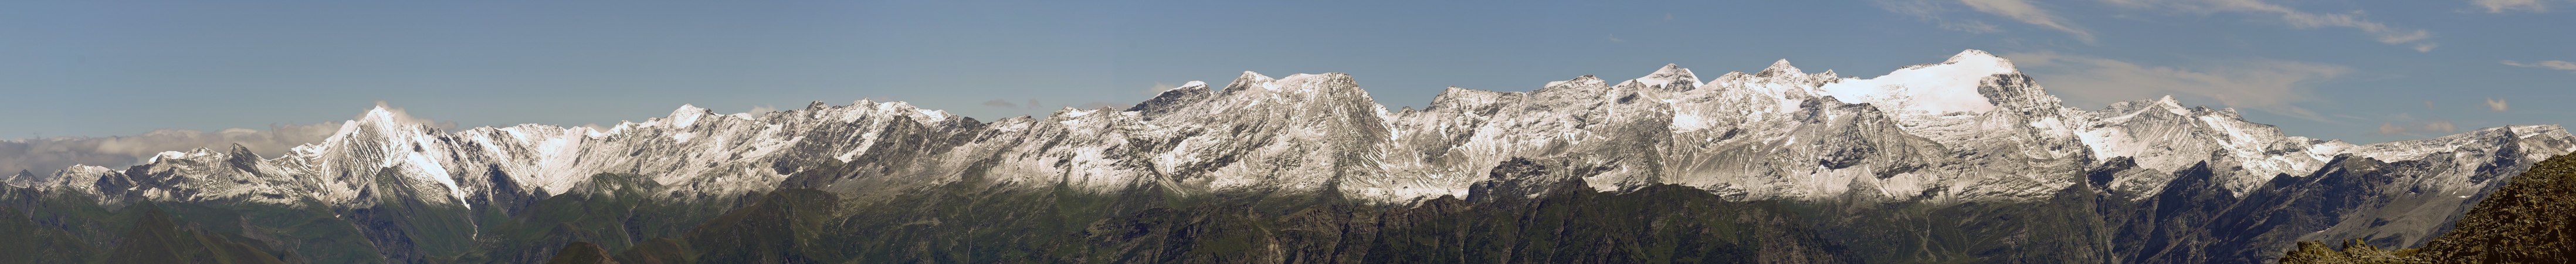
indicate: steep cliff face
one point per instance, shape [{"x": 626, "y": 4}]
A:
[{"x": 1947, "y": 139}]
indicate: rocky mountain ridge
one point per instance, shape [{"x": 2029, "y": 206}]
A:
[
  {"x": 1971, "y": 129},
  {"x": 1968, "y": 128}
]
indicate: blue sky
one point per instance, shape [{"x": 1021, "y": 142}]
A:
[{"x": 2363, "y": 71}]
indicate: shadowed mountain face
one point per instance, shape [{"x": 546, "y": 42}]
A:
[
  {"x": 2526, "y": 221},
  {"x": 1965, "y": 160},
  {"x": 155, "y": 238},
  {"x": 1565, "y": 223}
]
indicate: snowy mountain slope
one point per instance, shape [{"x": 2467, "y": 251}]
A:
[{"x": 1969, "y": 128}]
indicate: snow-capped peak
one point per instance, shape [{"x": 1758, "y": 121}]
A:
[
  {"x": 379, "y": 117},
  {"x": 2125, "y": 110},
  {"x": 1671, "y": 69},
  {"x": 1672, "y": 77},
  {"x": 1779, "y": 68},
  {"x": 176, "y": 155},
  {"x": 687, "y": 115},
  {"x": 1586, "y": 80},
  {"x": 78, "y": 178},
  {"x": 1296, "y": 132},
  {"x": 933, "y": 116},
  {"x": 23, "y": 179},
  {"x": 1980, "y": 59},
  {"x": 1947, "y": 87},
  {"x": 1071, "y": 116},
  {"x": 1251, "y": 80},
  {"x": 1189, "y": 85},
  {"x": 1311, "y": 83},
  {"x": 2171, "y": 106}
]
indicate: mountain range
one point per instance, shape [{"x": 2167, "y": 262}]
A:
[{"x": 1966, "y": 159}]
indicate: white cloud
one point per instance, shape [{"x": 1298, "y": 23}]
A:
[
  {"x": 2268, "y": 85},
  {"x": 46, "y": 155},
  {"x": 2023, "y": 11},
  {"x": 1615, "y": 38},
  {"x": 2403, "y": 123},
  {"x": 43, "y": 156},
  {"x": 1936, "y": 12},
  {"x": 2440, "y": 126},
  {"x": 2501, "y": 6},
  {"x": 1930, "y": 11},
  {"x": 2497, "y": 105},
  {"x": 2548, "y": 64},
  {"x": 2412, "y": 38}
]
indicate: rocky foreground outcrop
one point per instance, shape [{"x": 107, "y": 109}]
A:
[{"x": 2531, "y": 220}]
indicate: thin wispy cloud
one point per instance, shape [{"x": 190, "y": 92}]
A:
[
  {"x": 2406, "y": 124},
  {"x": 2548, "y": 64},
  {"x": 1971, "y": 26},
  {"x": 2268, "y": 85},
  {"x": 1943, "y": 13},
  {"x": 2498, "y": 105},
  {"x": 2443, "y": 126},
  {"x": 2019, "y": 10},
  {"x": 2417, "y": 39},
  {"x": 1931, "y": 12},
  {"x": 1938, "y": 12},
  {"x": 2501, "y": 6}
]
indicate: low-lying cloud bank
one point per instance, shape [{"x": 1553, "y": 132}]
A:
[{"x": 43, "y": 156}]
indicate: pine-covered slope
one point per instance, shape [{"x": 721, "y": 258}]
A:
[{"x": 1959, "y": 138}]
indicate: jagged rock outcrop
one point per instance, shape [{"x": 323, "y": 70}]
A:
[{"x": 2525, "y": 221}]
